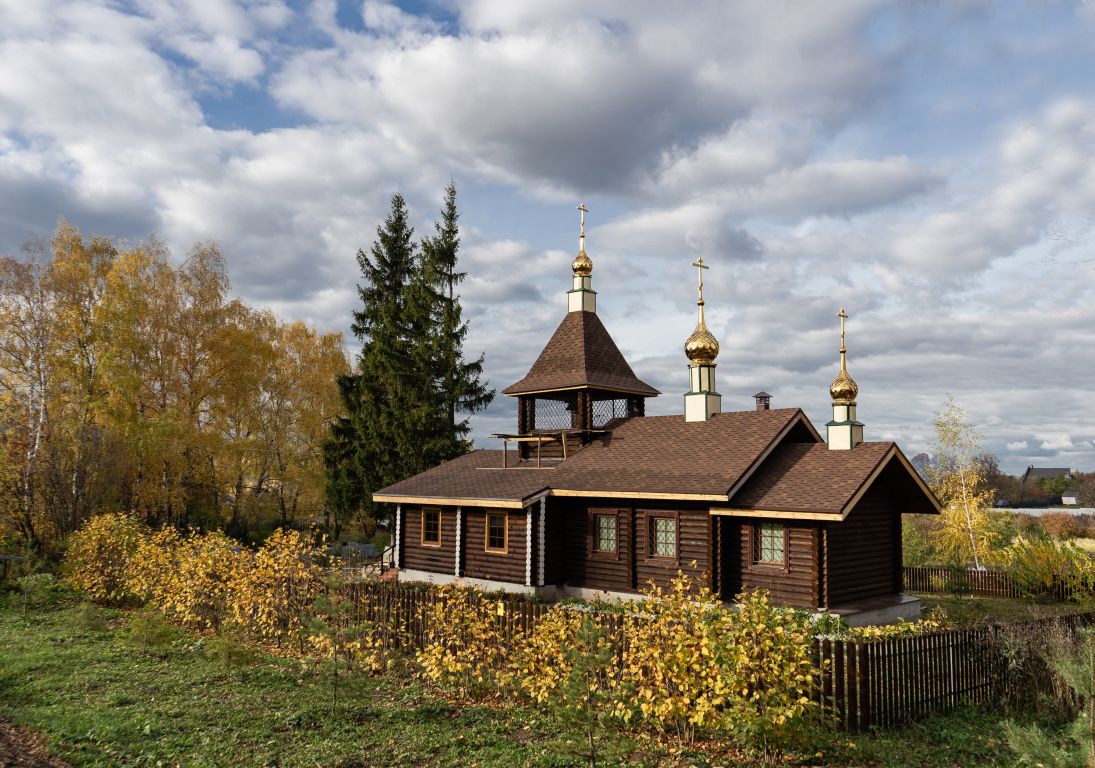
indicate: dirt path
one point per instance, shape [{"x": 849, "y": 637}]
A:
[{"x": 23, "y": 748}]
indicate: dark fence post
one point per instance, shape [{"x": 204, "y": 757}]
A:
[{"x": 864, "y": 685}]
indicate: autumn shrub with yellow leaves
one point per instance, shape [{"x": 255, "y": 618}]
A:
[
  {"x": 544, "y": 660},
  {"x": 936, "y": 620},
  {"x": 197, "y": 591},
  {"x": 766, "y": 658},
  {"x": 200, "y": 579},
  {"x": 269, "y": 597},
  {"x": 1041, "y": 565},
  {"x": 99, "y": 555},
  {"x": 693, "y": 666},
  {"x": 670, "y": 660},
  {"x": 467, "y": 642},
  {"x": 149, "y": 571},
  {"x": 687, "y": 665}
]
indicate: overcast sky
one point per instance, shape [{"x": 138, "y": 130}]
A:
[{"x": 928, "y": 165}]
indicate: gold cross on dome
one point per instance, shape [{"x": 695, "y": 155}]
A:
[
  {"x": 700, "y": 267},
  {"x": 584, "y": 210},
  {"x": 843, "y": 316}
]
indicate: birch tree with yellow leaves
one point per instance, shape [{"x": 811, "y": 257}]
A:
[
  {"x": 132, "y": 384},
  {"x": 956, "y": 476}
]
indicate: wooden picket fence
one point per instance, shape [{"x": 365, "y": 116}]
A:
[
  {"x": 989, "y": 583},
  {"x": 403, "y": 610},
  {"x": 899, "y": 680},
  {"x": 863, "y": 683}
]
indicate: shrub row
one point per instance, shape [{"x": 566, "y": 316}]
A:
[
  {"x": 679, "y": 662},
  {"x": 201, "y": 580}
]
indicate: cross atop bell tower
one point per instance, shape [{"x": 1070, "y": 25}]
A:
[
  {"x": 582, "y": 297},
  {"x": 844, "y": 432},
  {"x": 702, "y": 401}
]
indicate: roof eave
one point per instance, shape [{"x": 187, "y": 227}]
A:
[
  {"x": 386, "y": 498},
  {"x": 779, "y": 514},
  {"x": 894, "y": 453},
  {"x": 513, "y": 391}
]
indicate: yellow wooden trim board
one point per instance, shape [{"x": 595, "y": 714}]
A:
[
  {"x": 499, "y": 503},
  {"x": 636, "y": 495},
  {"x": 776, "y": 514}
]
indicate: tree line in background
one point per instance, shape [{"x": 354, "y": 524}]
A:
[
  {"x": 128, "y": 383},
  {"x": 401, "y": 405}
]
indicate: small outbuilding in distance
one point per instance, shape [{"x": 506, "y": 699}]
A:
[{"x": 592, "y": 498}]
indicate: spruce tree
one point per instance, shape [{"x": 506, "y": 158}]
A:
[
  {"x": 368, "y": 446},
  {"x": 458, "y": 382},
  {"x": 402, "y": 402}
]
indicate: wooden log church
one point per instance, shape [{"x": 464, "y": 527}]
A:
[{"x": 590, "y": 497}]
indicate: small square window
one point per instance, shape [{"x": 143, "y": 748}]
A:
[
  {"x": 769, "y": 546},
  {"x": 497, "y": 539},
  {"x": 604, "y": 533},
  {"x": 663, "y": 537},
  {"x": 431, "y": 527}
]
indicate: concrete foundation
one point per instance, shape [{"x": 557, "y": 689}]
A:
[
  {"x": 483, "y": 584},
  {"x": 875, "y": 611},
  {"x": 878, "y": 610},
  {"x": 583, "y": 593}
]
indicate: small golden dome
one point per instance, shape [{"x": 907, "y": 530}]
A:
[
  {"x": 844, "y": 389},
  {"x": 702, "y": 347},
  {"x": 582, "y": 264}
]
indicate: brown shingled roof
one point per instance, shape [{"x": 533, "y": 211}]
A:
[
  {"x": 775, "y": 457},
  {"x": 581, "y": 354},
  {"x": 475, "y": 476},
  {"x": 801, "y": 477},
  {"x": 668, "y": 455}
]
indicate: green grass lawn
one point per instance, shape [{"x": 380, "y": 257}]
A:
[
  {"x": 973, "y": 609},
  {"x": 103, "y": 698}
]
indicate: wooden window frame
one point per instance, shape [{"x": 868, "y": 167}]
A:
[
  {"x": 505, "y": 532},
  {"x": 666, "y": 561},
  {"x": 761, "y": 566},
  {"x": 422, "y": 528},
  {"x": 592, "y": 534}
]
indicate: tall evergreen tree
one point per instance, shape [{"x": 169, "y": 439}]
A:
[
  {"x": 412, "y": 381},
  {"x": 457, "y": 384},
  {"x": 368, "y": 445}
]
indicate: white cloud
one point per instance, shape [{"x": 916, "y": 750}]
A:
[
  {"x": 746, "y": 134},
  {"x": 220, "y": 55},
  {"x": 1063, "y": 442},
  {"x": 577, "y": 100}
]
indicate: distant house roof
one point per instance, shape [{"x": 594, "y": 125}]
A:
[
  {"x": 1045, "y": 473},
  {"x": 581, "y": 354}
]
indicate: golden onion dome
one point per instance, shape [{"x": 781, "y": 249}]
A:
[
  {"x": 844, "y": 389},
  {"x": 702, "y": 347},
  {"x": 582, "y": 264}
]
